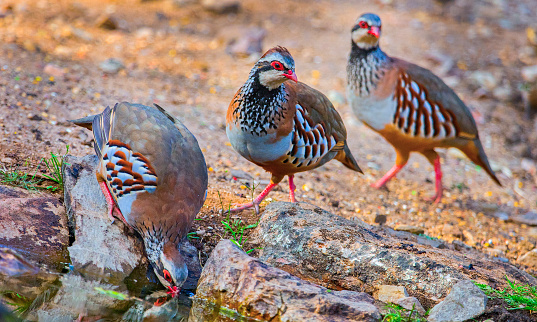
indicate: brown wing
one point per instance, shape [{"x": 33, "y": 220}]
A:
[
  {"x": 319, "y": 111},
  {"x": 319, "y": 134},
  {"x": 427, "y": 107}
]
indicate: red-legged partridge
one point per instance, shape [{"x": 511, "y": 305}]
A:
[
  {"x": 154, "y": 178},
  {"x": 284, "y": 126},
  {"x": 414, "y": 110}
]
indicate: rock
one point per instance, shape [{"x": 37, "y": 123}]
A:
[
  {"x": 529, "y": 166},
  {"x": 411, "y": 229},
  {"x": 107, "y": 22},
  {"x": 335, "y": 252},
  {"x": 111, "y": 66},
  {"x": 460, "y": 246},
  {"x": 390, "y": 293},
  {"x": 380, "y": 219},
  {"x": 221, "y": 6},
  {"x": 464, "y": 302},
  {"x": 251, "y": 42},
  {"x": 53, "y": 70},
  {"x": 411, "y": 303},
  {"x": 451, "y": 231},
  {"x": 529, "y": 218},
  {"x": 99, "y": 245},
  {"x": 239, "y": 174},
  {"x": 529, "y": 258},
  {"x": 484, "y": 79},
  {"x": 529, "y": 73},
  {"x": 190, "y": 254},
  {"x": 503, "y": 93},
  {"x": 239, "y": 284},
  {"x": 34, "y": 225}
]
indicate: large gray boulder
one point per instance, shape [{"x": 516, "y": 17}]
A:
[
  {"x": 332, "y": 251},
  {"x": 234, "y": 283}
]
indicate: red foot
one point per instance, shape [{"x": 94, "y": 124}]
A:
[
  {"x": 387, "y": 177},
  {"x": 438, "y": 182},
  {"x": 256, "y": 201}
]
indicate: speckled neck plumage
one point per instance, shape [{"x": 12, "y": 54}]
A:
[
  {"x": 155, "y": 237},
  {"x": 365, "y": 68},
  {"x": 259, "y": 108}
]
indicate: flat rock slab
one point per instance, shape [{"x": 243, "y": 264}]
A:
[
  {"x": 35, "y": 225},
  {"x": 332, "y": 251},
  {"x": 237, "y": 284}
]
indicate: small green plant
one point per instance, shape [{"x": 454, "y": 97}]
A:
[
  {"x": 192, "y": 235},
  {"x": 428, "y": 237},
  {"x": 237, "y": 228},
  {"x": 397, "y": 313},
  {"x": 54, "y": 165},
  {"x": 517, "y": 296},
  {"x": 20, "y": 302},
  {"x": 18, "y": 178}
]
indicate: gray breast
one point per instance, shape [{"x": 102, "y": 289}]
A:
[{"x": 255, "y": 148}]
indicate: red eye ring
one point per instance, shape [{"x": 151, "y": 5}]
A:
[
  {"x": 167, "y": 276},
  {"x": 363, "y": 24},
  {"x": 277, "y": 65}
]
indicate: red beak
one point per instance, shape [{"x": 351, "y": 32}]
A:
[
  {"x": 374, "y": 31},
  {"x": 291, "y": 75},
  {"x": 173, "y": 291}
]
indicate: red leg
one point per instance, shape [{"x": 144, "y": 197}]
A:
[
  {"x": 292, "y": 189},
  {"x": 438, "y": 181},
  {"x": 255, "y": 203},
  {"x": 112, "y": 208},
  {"x": 388, "y": 176}
]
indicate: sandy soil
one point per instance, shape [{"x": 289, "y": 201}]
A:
[{"x": 176, "y": 57}]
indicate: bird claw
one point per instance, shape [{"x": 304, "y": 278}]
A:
[
  {"x": 437, "y": 198},
  {"x": 379, "y": 185},
  {"x": 241, "y": 207}
]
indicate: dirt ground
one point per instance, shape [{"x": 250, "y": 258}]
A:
[{"x": 51, "y": 53}]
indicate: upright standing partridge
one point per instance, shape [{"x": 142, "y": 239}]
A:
[
  {"x": 284, "y": 127},
  {"x": 414, "y": 110},
  {"x": 154, "y": 178}
]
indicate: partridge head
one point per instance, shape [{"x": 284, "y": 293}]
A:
[
  {"x": 414, "y": 110},
  {"x": 154, "y": 178},
  {"x": 282, "y": 125}
]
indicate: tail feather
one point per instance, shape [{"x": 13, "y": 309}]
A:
[
  {"x": 100, "y": 125},
  {"x": 345, "y": 156},
  {"x": 475, "y": 152},
  {"x": 86, "y": 122}
]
